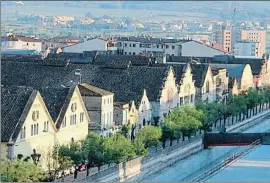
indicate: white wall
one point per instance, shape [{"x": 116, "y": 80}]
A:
[
  {"x": 24, "y": 45},
  {"x": 144, "y": 110},
  {"x": 107, "y": 111},
  {"x": 195, "y": 49},
  {"x": 90, "y": 45}
]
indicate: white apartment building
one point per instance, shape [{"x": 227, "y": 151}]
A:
[
  {"x": 159, "y": 47},
  {"x": 246, "y": 48},
  {"x": 21, "y": 43},
  {"x": 96, "y": 44}
]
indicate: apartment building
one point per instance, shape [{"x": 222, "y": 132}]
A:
[
  {"x": 21, "y": 43},
  {"x": 224, "y": 38},
  {"x": 246, "y": 48},
  {"x": 255, "y": 36}
]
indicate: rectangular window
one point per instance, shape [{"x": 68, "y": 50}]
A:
[
  {"x": 134, "y": 45},
  {"x": 81, "y": 116},
  {"x": 32, "y": 130},
  {"x": 125, "y": 44},
  {"x": 37, "y": 130},
  {"x": 125, "y": 53},
  {"x": 181, "y": 101},
  {"x": 130, "y": 45},
  {"x": 129, "y": 53},
  {"x": 134, "y": 53},
  {"x": 75, "y": 119},
  {"x": 157, "y": 46},
  {"x": 167, "y": 46},
  {"x": 173, "y": 47},
  {"x": 71, "y": 119},
  {"x": 64, "y": 123}
]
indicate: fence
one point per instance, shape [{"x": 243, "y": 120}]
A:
[{"x": 215, "y": 169}]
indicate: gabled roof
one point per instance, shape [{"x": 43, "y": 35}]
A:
[
  {"x": 199, "y": 72},
  {"x": 15, "y": 105},
  {"x": 57, "y": 101},
  {"x": 90, "y": 90},
  {"x": 234, "y": 70},
  {"x": 256, "y": 63}
]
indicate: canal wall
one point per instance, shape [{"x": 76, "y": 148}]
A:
[{"x": 158, "y": 159}]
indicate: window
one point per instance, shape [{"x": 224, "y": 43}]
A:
[
  {"x": 207, "y": 86},
  {"x": 167, "y": 46},
  {"x": 64, "y": 123},
  {"x": 104, "y": 101},
  {"x": 110, "y": 100},
  {"x": 32, "y": 130},
  {"x": 134, "y": 53},
  {"x": 129, "y": 53},
  {"x": 33, "y": 44},
  {"x": 181, "y": 101},
  {"x": 108, "y": 117},
  {"x": 172, "y": 54},
  {"x": 125, "y": 44},
  {"x": 46, "y": 126},
  {"x": 73, "y": 107},
  {"x": 27, "y": 44},
  {"x": 35, "y": 115},
  {"x": 134, "y": 45},
  {"x": 81, "y": 116},
  {"x": 157, "y": 46},
  {"x": 23, "y": 132},
  {"x": 173, "y": 47},
  {"x": 140, "y": 45},
  {"x": 125, "y": 53},
  {"x": 130, "y": 45},
  {"x": 75, "y": 119}
]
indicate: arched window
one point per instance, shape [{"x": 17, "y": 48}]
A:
[{"x": 207, "y": 86}]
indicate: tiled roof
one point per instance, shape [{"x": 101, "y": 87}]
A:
[
  {"x": 114, "y": 80},
  {"x": 234, "y": 70},
  {"x": 15, "y": 104},
  {"x": 90, "y": 90},
  {"x": 22, "y": 38},
  {"x": 56, "y": 101},
  {"x": 199, "y": 72},
  {"x": 255, "y": 63},
  {"x": 135, "y": 60}
]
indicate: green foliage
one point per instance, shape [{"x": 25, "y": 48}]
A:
[
  {"x": 125, "y": 130},
  {"x": 73, "y": 151},
  {"x": 149, "y": 135},
  {"x": 251, "y": 98},
  {"x": 118, "y": 149},
  {"x": 139, "y": 148},
  {"x": 20, "y": 171},
  {"x": 186, "y": 119},
  {"x": 93, "y": 149}
]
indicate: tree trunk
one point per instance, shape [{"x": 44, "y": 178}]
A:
[
  {"x": 171, "y": 142},
  {"x": 183, "y": 138},
  {"x": 163, "y": 144},
  {"x": 232, "y": 120}
]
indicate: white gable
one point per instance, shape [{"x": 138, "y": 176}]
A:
[{"x": 90, "y": 45}]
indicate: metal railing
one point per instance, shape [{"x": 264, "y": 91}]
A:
[{"x": 213, "y": 171}]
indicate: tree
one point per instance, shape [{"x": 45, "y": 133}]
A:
[
  {"x": 149, "y": 136},
  {"x": 169, "y": 132},
  {"x": 125, "y": 130},
  {"x": 210, "y": 111},
  {"x": 74, "y": 151},
  {"x": 118, "y": 149},
  {"x": 62, "y": 158},
  {"x": 185, "y": 119},
  {"x": 252, "y": 99},
  {"x": 139, "y": 148},
  {"x": 93, "y": 149},
  {"x": 20, "y": 171}
]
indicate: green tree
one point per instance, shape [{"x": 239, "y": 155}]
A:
[
  {"x": 149, "y": 135},
  {"x": 20, "y": 171},
  {"x": 139, "y": 147},
  {"x": 185, "y": 119},
  {"x": 125, "y": 130},
  {"x": 252, "y": 99},
  {"x": 118, "y": 149},
  {"x": 267, "y": 96},
  {"x": 93, "y": 149},
  {"x": 74, "y": 151}
]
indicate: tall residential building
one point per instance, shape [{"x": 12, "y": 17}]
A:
[
  {"x": 224, "y": 38},
  {"x": 255, "y": 36}
]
